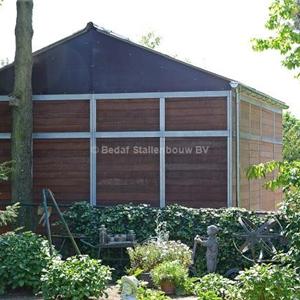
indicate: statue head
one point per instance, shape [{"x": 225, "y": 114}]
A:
[{"x": 212, "y": 230}]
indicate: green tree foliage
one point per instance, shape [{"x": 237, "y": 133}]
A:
[
  {"x": 287, "y": 174},
  {"x": 291, "y": 211},
  {"x": 288, "y": 178},
  {"x": 150, "y": 40},
  {"x": 291, "y": 137},
  {"x": 284, "y": 23}
]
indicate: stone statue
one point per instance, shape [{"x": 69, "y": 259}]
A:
[
  {"x": 102, "y": 235},
  {"x": 212, "y": 248},
  {"x": 129, "y": 288}
]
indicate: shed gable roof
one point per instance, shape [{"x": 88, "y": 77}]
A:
[{"x": 94, "y": 60}]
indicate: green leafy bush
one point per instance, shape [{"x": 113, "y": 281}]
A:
[
  {"x": 291, "y": 211},
  {"x": 209, "y": 295},
  {"x": 268, "y": 282},
  {"x": 75, "y": 279},
  {"x": 5, "y": 169},
  {"x": 9, "y": 215},
  {"x": 145, "y": 257},
  {"x": 22, "y": 259},
  {"x": 212, "y": 285},
  {"x": 182, "y": 223},
  {"x": 148, "y": 294},
  {"x": 172, "y": 271}
]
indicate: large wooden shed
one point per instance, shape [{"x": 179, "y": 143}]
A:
[{"x": 115, "y": 122}]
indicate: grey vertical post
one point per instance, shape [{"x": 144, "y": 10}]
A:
[
  {"x": 162, "y": 160},
  {"x": 93, "y": 150},
  {"x": 238, "y": 173},
  {"x": 229, "y": 150}
]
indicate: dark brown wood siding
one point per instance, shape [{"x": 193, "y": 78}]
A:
[
  {"x": 61, "y": 116},
  {"x": 128, "y": 115},
  {"x": 196, "y": 114},
  {"x": 5, "y": 156},
  {"x": 62, "y": 166},
  {"x": 129, "y": 177},
  {"x": 5, "y": 118},
  {"x": 196, "y": 180}
]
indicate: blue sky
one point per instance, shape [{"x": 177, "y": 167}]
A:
[{"x": 212, "y": 34}]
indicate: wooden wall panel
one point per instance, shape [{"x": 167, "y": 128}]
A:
[
  {"x": 196, "y": 114},
  {"x": 131, "y": 176},
  {"x": 268, "y": 197},
  {"x": 5, "y": 117},
  {"x": 277, "y": 152},
  {"x": 128, "y": 115},
  {"x": 278, "y": 126},
  {"x": 62, "y": 166},
  {"x": 254, "y": 185},
  {"x": 61, "y": 116},
  {"x": 255, "y": 119},
  {"x": 244, "y": 182},
  {"x": 244, "y": 117},
  {"x": 266, "y": 152},
  {"x": 267, "y": 123},
  {"x": 196, "y": 180},
  {"x": 5, "y": 193},
  {"x": 253, "y": 195}
]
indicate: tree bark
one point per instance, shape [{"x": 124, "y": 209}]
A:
[{"x": 21, "y": 103}]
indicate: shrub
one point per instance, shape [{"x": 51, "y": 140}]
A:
[
  {"x": 9, "y": 215},
  {"x": 271, "y": 282},
  {"x": 148, "y": 294},
  {"x": 172, "y": 271},
  {"x": 209, "y": 295},
  {"x": 23, "y": 257},
  {"x": 145, "y": 257},
  {"x": 291, "y": 210},
  {"x": 5, "y": 169},
  {"x": 182, "y": 223},
  {"x": 212, "y": 285},
  {"x": 76, "y": 278}
]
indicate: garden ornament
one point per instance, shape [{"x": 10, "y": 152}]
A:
[
  {"x": 255, "y": 242},
  {"x": 129, "y": 288},
  {"x": 212, "y": 247},
  {"x": 102, "y": 235}
]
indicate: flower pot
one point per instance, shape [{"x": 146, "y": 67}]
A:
[{"x": 168, "y": 287}]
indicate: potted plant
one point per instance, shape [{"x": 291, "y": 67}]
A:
[
  {"x": 169, "y": 275},
  {"x": 145, "y": 257}
]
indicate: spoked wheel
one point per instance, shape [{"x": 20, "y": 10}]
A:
[{"x": 256, "y": 243}]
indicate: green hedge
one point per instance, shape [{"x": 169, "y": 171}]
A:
[{"x": 183, "y": 224}]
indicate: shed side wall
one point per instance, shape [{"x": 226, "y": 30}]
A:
[{"x": 260, "y": 141}]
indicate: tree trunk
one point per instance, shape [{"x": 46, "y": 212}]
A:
[{"x": 21, "y": 103}]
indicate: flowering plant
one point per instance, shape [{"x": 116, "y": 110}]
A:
[{"x": 147, "y": 256}]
